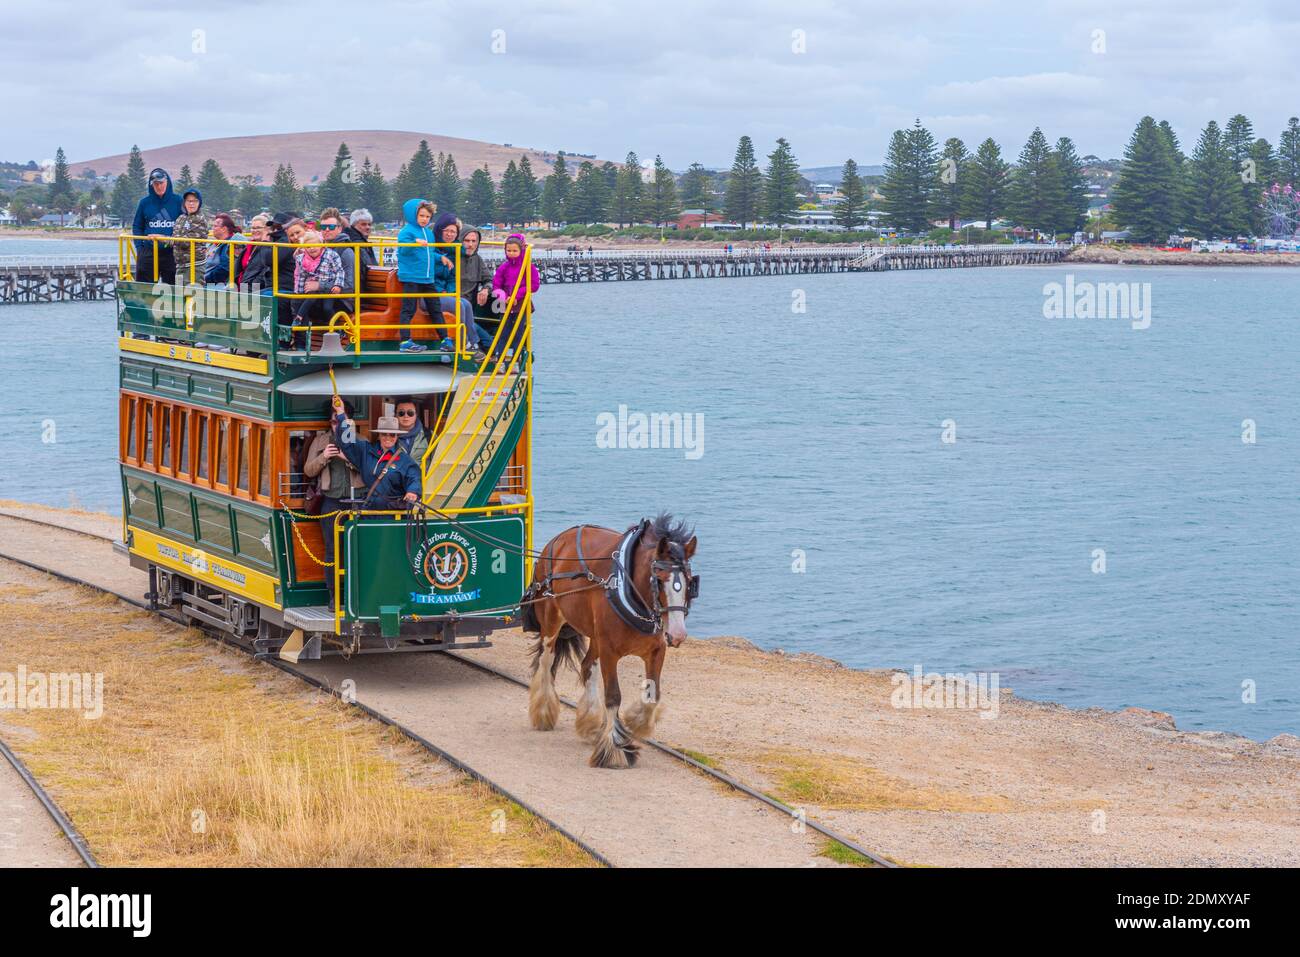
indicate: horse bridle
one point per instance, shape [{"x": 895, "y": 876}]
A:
[{"x": 679, "y": 570}]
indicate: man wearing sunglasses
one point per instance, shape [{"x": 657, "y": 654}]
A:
[
  {"x": 414, "y": 438},
  {"x": 333, "y": 228}
]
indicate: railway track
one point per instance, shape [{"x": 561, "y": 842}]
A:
[
  {"x": 51, "y": 807},
  {"x": 732, "y": 783}
]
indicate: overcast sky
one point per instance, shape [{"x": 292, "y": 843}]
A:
[{"x": 684, "y": 79}]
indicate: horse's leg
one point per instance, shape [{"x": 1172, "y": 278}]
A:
[
  {"x": 642, "y": 714},
  {"x": 591, "y": 716},
  {"x": 615, "y": 748},
  {"x": 543, "y": 701}
]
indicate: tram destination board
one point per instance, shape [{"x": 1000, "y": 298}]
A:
[{"x": 434, "y": 569}]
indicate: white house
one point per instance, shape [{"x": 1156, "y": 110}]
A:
[{"x": 7, "y": 218}]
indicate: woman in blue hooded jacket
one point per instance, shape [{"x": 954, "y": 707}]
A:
[
  {"x": 155, "y": 215},
  {"x": 447, "y": 229}
]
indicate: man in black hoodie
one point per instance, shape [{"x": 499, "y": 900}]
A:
[{"x": 155, "y": 215}]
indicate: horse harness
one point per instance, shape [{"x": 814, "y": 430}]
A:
[{"x": 620, "y": 590}]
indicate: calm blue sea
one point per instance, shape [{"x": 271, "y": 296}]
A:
[{"x": 823, "y": 437}]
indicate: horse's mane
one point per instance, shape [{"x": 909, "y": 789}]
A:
[{"x": 675, "y": 531}]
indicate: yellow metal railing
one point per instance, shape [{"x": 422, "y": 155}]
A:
[
  {"x": 351, "y": 324},
  {"x": 520, "y": 324}
]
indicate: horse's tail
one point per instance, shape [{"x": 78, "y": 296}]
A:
[{"x": 570, "y": 648}]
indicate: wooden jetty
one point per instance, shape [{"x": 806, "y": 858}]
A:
[{"x": 78, "y": 280}]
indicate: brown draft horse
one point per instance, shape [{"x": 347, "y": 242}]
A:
[{"x": 598, "y": 596}]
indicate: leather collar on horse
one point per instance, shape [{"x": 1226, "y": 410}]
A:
[{"x": 621, "y": 591}]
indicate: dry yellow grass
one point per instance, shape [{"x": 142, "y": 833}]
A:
[
  {"x": 838, "y": 783},
  {"x": 202, "y": 758}
]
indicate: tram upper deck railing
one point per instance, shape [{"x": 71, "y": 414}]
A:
[{"x": 235, "y": 317}]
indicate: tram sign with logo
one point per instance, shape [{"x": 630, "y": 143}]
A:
[{"x": 432, "y": 570}]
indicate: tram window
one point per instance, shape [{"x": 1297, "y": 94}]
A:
[
  {"x": 165, "y": 435},
  {"x": 183, "y": 443},
  {"x": 201, "y": 441},
  {"x": 241, "y": 457},
  {"x": 295, "y": 483},
  {"x": 132, "y": 452},
  {"x": 147, "y": 457},
  {"x": 264, "y": 462},
  {"x": 223, "y": 432}
]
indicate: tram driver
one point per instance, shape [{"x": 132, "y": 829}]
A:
[{"x": 388, "y": 470}]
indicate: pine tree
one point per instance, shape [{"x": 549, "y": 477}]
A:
[
  {"x": 416, "y": 181},
  {"x": 248, "y": 198},
  {"x": 610, "y": 172},
  {"x": 952, "y": 177},
  {"x": 372, "y": 192},
  {"x": 447, "y": 188},
  {"x": 852, "y": 209},
  {"x": 218, "y": 194},
  {"x": 1261, "y": 153},
  {"x": 185, "y": 180},
  {"x": 1288, "y": 154},
  {"x": 512, "y": 200},
  {"x": 988, "y": 178},
  {"x": 589, "y": 201},
  {"x": 339, "y": 188},
  {"x": 626, "y": 206},
  {"x": 1239, "y": 142},
  {"x": 122, "y": 201},
  {"x": 481, "y": 198},
  {"x": 911, "y": 178},
  {"x": 555, "y": 192},
  {"x": 697, "y": 188},
  {"x": 1033, "y": 184},
  {"x": 661, "y": 204},
  {"x": 60, "y": 198},
  {"x": 1218, "y": 208},
  {"x": 744, "y": 186},
  {"x": 530, "y": 190},
  {"x": 1180, "y": 164},
  {"x": 1069, "y": 204},
  {"x": 1146, "y": 198},
  {"x": 781, "y": 185},
  {"x": 285, "y": 194},
  {"x": 136, "y": 176}
]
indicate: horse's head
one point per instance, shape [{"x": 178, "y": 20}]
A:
[{"x": 673, "y": 586}]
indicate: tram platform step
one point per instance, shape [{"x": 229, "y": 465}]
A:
[{"x": 310, "y": 618}]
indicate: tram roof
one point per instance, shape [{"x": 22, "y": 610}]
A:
[{"x": 373, "y": 380}]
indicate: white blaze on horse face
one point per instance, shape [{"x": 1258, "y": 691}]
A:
[{"x": 676, "y": 592}]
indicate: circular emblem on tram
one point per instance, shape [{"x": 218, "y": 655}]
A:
[{"x": 446, "y": 565}]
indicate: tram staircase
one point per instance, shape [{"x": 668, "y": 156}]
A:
[{"x": 486, "y": 415}]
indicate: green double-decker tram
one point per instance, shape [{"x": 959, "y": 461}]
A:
[{"x": 218, "y": 410}]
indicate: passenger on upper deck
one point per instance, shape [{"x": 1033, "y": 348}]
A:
[
  {"x": 216, "y": 268},
  {"x": 191, "y": 224},
  {"x": 284, "y": 228},
  {"x": 475, "y": 276},
  {"x": 358, "y": 230},
  {"x": 317, "y": 269},
  {"x": 415, "y": 266},
  {"x": 447, "y": 229},
  {"x": 254, "y": 263},
  {"x": 389, "y": 472},
  {"x": 503, "y": 286},
  {"x": 155, "y": 215}
]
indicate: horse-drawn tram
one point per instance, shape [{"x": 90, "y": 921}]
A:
[{"x": 257, "y": 510}]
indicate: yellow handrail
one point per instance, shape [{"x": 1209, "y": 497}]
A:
[{"x": 521, "y": 328}]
